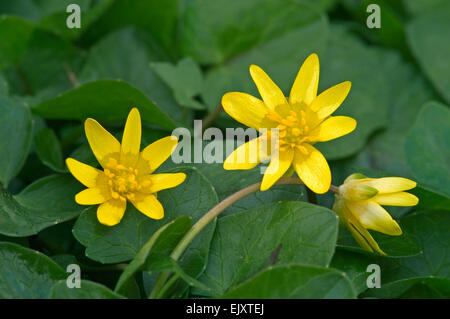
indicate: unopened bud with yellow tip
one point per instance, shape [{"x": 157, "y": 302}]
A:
[{"x": 358, "y": 204}]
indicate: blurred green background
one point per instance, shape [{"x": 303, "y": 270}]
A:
[{"x": 174, "y": 59}]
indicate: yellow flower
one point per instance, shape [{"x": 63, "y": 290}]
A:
[
  {"x": 358, "y": 204},
  {"x": 127, "y": 172},
  {"x": 302, "y": 120}
]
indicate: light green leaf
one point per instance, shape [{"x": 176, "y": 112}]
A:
[
  {"x": 48, "y": 149},
  {"x": 26, "y": 273},
  {"x": 244, "y": 242},
  {"x": 295, "y": 281},
  {"x": 44, "y": 203},
  {"x": 94, "y": 99}
]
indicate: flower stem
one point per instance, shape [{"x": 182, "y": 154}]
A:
[{"x": 206, "y": 219}]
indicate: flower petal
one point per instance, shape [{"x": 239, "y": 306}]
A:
[
  {"x": 373, "y": 216},
  {"x": 277, "y": 167},
  {"x": 92, "y": 196},
  {"x": 390, "y": 184},
  {"x": 155, "y": 154},
  {"x": 162, "y": 181},
  {"x": 249, "y": 154},
  {"x": 110, "y": 213},
  {"x": 313, "y": 169},
  {"x": 102, "y": 143},
  {"x": 131, "y": 139},
  {"x": 149, "y": 205},
  {"x": 270, "y": 92},
  {"x": 304, "y": 89},
  {"x": 329, "y": 100},
  {"x": 245, "y": 108},
  {"x": 87, "y": 175},
  {"x": 333, "y": 127},
  {"x": 396, "y": 199}
]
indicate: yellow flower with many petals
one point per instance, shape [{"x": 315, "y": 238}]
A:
[
  {"x": 302, "y": 120},
  {"x": 127, "y": 172},
  {"x": 358, "y": 204}
]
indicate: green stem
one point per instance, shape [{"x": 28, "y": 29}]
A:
[{"x": 157, "y": 290}]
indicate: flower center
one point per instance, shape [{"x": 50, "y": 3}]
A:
[
  {"x": 123, "y": 181},
  {"x": 293, "y": 130}
]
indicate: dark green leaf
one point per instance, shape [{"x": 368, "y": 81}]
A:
[
  {"x": 415, "y": 288},
  {"x": 295, "y": 281},
  {"x": 48, "y": 149},
  {"x": 94, "y": 99},
  {"x": 26, "y": 273},
  {"x": 428, "y": 147},
  {"x": 88, "y": 290},
  {"x": 16, "y": 129}
]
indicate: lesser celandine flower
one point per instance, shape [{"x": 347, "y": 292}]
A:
[
  {"x": 358, "y": 204},
  {"x": 302, "y": 119},
  {"x": 127, "y": 172}
]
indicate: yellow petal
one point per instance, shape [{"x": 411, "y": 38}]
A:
[
  {"x": 313, "y": 169},
  {"x": 111, "y": 212},
  {"x": 390, "y": 184},
  {"x": 396, "y": 199},
  {"x": 149, "y": 206},
  {"x": 131, "y": 139},
  {"x": 244, "y": 108},
  {"x": 87, "y": 175},
  {"x": 162, "y": 181},
  {"x": 364, "y": 238},
  {"x": 333, "y": 127},
  {"x": 277, "y": 168},
  {"x": 270, "y": 92},
  {"x": 304, "y": 89},
  {"x": 155, "y": 154},
  {"x": 92, "y": 196},
  {"x": 102, "y": 143},
  {"x": 373, "y": 216},
  {"x": 249, "y": 154},
  {"x": 329, "y": 100}
]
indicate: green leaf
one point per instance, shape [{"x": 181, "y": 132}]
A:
[
  {"x": 430, "y": 230},
  {"x": 354, "y": 265},
  {"x": 44, "y": 203},
  {"x": 185, "y": 79},
  {"x": 26, "y": 273},
  {"x": 428, "y": 147},
  {"x": 427, "y": 37},
  {"x": 163, "y": 241},
  {"x": 194, "y": 197},
  {"x": 393, "y": 246},
  {"x": 15, "y": 34},
  {"x": 16, "y": 129},
  {"x": 125, "y": 54},
  {"x": 94, "y": 99},
  {"x": 295, "y": 281},
  {"x": 88, "y": 290},
  {"x": 280, "y": 58},
  {"x": 413, "y": 288},
  {"x": 244, "y": 242},
  {"x": 430, "y": 199},
  {"x": 48, "y": 149}
]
